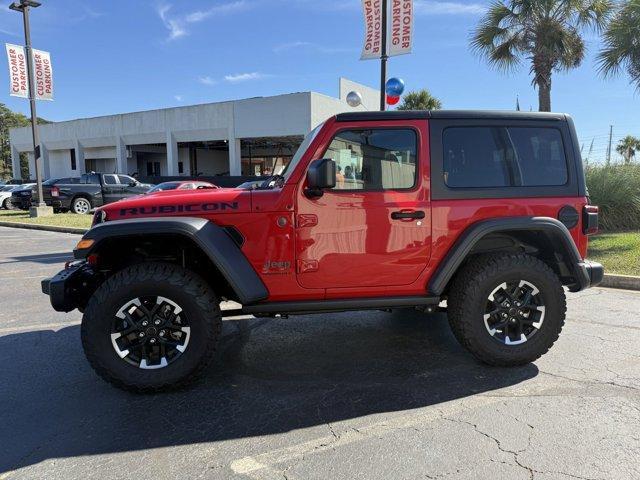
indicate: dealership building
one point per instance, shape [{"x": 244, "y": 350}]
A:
[{"x": 254, "y": 136}]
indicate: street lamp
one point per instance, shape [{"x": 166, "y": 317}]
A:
[{"x": 23, "y": 7}]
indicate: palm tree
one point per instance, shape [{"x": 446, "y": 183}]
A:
[
  {"x": 544, "y": 32},
  {"x": 627, "y": 147},
  {"x": 420, "y": 100},
  {"x": 622, "y": 43}
]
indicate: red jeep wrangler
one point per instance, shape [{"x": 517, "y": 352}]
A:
[{"x": 487, "y": 211}]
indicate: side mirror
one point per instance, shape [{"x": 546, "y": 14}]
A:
[
  {"x": 133, "y": 184},
  {"x": 320, "y": 176}
]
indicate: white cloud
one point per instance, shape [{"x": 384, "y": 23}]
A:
[
  {"x": 179, "y": 98},
  {"x": 178, "y": 25},
  {"x": 432, "y": 7},
  {"x": 244, "y": 77},
  {"x": 207, "y": 81}
]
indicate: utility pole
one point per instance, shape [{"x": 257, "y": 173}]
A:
[
  {"x": 609, "y": 147},
  {"x": 383, "y": 58},
  {"x": 23, "y": 7}
]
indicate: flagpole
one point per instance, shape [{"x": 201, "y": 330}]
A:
[{"x": 383, "y": 58}]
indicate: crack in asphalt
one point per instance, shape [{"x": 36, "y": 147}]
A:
[
  {"x": 515, "y": 453},
  {"x": 590, "y": 382}
]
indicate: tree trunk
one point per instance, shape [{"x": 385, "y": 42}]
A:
[{"x": 544, "y": 92}]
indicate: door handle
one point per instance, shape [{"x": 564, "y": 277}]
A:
[{"x": 404, "y": 215}]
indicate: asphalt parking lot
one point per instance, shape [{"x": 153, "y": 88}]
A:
[{"x": 338, "y": 396}]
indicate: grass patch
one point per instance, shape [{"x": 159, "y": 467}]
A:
[
  {"x": 618, "y": 252},
  {"x": 58, "y": 219}
]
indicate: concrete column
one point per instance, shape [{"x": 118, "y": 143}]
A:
[
  {"x": 235, "y": 155},
  {"x": 32, "y": 165},
  {"x": 121, "y": 156},
  {"x": 46, "y": 165},
  {"x": 172, "y": 155},
  {"x": 80, "y": 161},
  {"x": 15, "y": 162}
]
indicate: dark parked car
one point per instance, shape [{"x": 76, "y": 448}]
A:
[{"x": 21, "y": 197}]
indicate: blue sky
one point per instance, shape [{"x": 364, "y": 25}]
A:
[{"x": 113, "y": 56}]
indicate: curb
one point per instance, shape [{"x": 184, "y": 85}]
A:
[
  {"x": 46, "y": 228},
  {"x": 626, "y": 282}
]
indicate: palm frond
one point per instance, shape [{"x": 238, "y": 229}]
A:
[{"x": 621, "y": 39}]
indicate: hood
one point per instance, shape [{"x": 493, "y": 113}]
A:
[{"x": 184, "y": 203}]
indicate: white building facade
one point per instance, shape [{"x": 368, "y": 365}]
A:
[{"x": 243, "y": 137}]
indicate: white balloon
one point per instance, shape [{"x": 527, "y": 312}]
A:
[{"x": 354, "y": 99}]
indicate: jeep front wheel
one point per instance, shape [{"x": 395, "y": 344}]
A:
[
  {"x": 506, "y": 309},
  {"x": 151, "y": 327}
]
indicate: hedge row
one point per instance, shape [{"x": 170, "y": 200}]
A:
[{"x": 616, "y": 190}]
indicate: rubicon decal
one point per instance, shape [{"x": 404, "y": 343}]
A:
[{"x": 193, "y": 207}]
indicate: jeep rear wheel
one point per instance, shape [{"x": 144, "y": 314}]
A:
[
  {"x": 151, "y": 327},
  {"x": 506, "y": 309}
]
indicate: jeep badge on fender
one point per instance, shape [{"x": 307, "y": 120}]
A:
[{"x": 487, "y": 211}]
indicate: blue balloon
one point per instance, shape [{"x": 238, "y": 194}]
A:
[{"x": 394, "y": 87}]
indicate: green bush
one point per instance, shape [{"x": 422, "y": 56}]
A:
[{"x": 616, "y": 190}]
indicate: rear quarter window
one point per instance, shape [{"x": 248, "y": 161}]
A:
[{"x": 497, "y": 156}]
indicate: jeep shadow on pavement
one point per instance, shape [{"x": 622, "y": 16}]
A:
[
  {"x": 274, "y": 378},
  {"x": 484, "y": 214}
]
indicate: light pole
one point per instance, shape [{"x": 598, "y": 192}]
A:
[
  {"x": 383, "y": 59},
  {"x": 23, "y": 6}
]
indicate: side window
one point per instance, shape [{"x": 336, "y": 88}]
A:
[
  {"x": 110, "y": 180},
  {"x": 486, "y": 157},
  {"x": 540, "y": 156},
  {"x": 375, "y": 159},
  {"x": 126, "y": 179}
]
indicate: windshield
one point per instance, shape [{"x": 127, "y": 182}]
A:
[
  {"x": 165, "y": 186},
  {"x": 286, "y": 173}
]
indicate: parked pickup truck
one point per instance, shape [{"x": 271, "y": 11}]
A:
[{"x": 91, "y": 190}]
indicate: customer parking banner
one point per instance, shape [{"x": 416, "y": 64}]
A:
[
  {"x": 18, "y": 75},
  {"x": 399, "y": 28},
  {"x": 43, "y": 74},
  {"x": 18, "y": 79},
  {"x": 372, "y": 48}
]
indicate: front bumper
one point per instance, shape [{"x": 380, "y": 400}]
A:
[
  {"x": 23, "y": 203},
  {"x": 71, "y": 287}
]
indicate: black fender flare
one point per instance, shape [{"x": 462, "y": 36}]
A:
[
  {"x": 209, "y": 237},
  {"x": 474, "y": 233}
]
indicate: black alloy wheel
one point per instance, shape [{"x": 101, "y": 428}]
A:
[
  {"x": 150, "y": 332},
  {"x": 514, "y": 312}
]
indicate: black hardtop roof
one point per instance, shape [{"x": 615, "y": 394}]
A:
[{"x": 449, "y": 114}]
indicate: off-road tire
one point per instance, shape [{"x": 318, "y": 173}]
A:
[
  {"x": 468, "y": 294},
  {"x": 184, "y": 287},
  {"x": 74, "y": 205}
]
